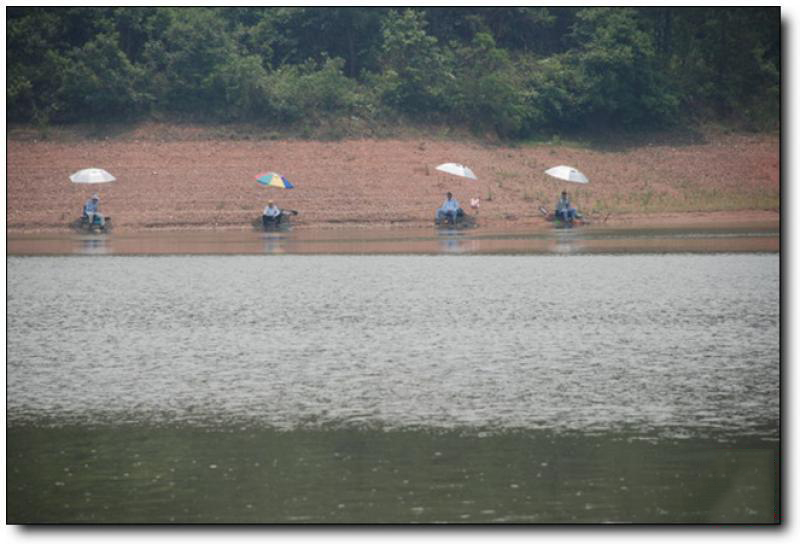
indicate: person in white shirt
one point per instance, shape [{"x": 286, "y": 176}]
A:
[
  {"x": 271, "y": 215},
  {"x": 450, "y": 210}
]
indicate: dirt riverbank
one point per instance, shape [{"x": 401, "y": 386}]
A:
[{"x": 182, "y": 178}]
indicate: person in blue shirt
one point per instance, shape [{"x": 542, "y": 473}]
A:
[
  {"x": 450, "y": 210},
  {"x": 564, "y": 209},
  {"x": 91, "y": 209}
]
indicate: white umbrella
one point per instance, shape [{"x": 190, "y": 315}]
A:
[
  {"x": 567, "y": 173},
  {"x": 457, "y": 169},
  {"x": 91, "y": 175}
]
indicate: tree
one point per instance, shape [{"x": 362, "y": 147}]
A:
[
  {"x": 726, "y": 61},
  {"x": 183, "y": 62},
  {"x": 487, "y": 92},
  {"x": 35, "y": 66},
  {"x": 136, "y": 26},
  {"x": 415, "y": 69},
  {"x": 616, "y": 59},
  {"x": 516, "y": 29},
  {"x": 353, "y": 34},
  {"x": 516, "y": 70},
  {"x": 310, "y": 90},
  {"x": 556, "y": 94},
  {"x": 239, "y": 86},
  {"x": 100, "y": 80}
]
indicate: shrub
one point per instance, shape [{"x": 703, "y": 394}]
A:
[{"x": 294, "y": 92}]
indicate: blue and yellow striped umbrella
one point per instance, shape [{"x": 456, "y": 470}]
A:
[{"x": 271, "y": 179}]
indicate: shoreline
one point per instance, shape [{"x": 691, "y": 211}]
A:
[
  {"x": 708, "y": 237},
  {"x": 709, "y": 219}
]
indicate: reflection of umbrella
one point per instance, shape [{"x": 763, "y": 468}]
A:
[
  {"x": 271, "y": 179},
  {"x": 457, "y": 169},
  {"x": 567, "y": 173},
  {"x": 91, "y": 175}
]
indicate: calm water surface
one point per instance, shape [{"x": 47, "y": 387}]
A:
[
  {"x": 592, "y": 388},
  {"x": 625, "y": 239}
]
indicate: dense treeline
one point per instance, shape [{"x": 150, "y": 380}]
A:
[{"x": 517, "y": 71}]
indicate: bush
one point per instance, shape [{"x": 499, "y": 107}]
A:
[
  {"x": 416, "y": 72},
  {"x": 294, "y": 92},
  {"x": 240, "y": 86},
  {"x": 486, "y": 91},
  {"x": 99, "y": 80}
]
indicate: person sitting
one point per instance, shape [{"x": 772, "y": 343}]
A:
[
  {"x": 271, "y": 216},
  {"x": 91, "y": 211},
  {"x": 450, "y": 210},
  {"x": 564, "y": 209}
]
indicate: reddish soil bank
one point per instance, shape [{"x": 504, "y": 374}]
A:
[{"x": 185, "y": 179}]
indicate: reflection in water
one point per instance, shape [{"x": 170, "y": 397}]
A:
[
  {"x": 451, "y": 242},
  {"x": 93, "y": 245},
  {"x": 567, "y": 242},
  {"x": 586, "y": 240},
  {"x": 274, "y": 243}
]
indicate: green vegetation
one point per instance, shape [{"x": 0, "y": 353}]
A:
[{"x": 516, "y": 72}]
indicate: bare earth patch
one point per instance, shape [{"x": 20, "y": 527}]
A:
[{"x": 170, "y": 178}]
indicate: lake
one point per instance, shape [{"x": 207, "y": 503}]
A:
[{"x": 393, "y": 388}]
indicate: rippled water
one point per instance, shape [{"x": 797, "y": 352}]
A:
[
  {"x": 668, "y": 343},
  {"x": 479, "y": 378}
]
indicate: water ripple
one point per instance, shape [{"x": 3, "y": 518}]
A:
[{"x": 661, "y": 343}]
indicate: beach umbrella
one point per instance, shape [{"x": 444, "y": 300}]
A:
[
  {"x": 457, "y": 170},
  {"x": 91, "y": 175},
  {"x": 271, "y": 179},
  {"x": 567, "y": 173}
]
